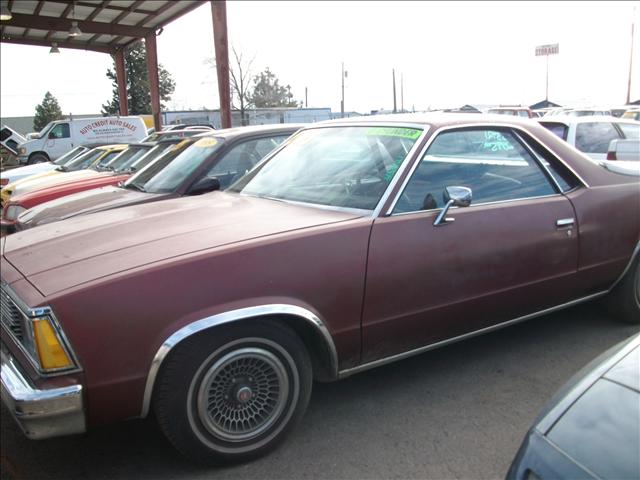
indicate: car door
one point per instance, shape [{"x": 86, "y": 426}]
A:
[
  {"x": 511, "y": 253},
  {"x": 58, "y": 141}
]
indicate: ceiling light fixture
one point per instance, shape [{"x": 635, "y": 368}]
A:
[
  {"x": 75, "y": 30},
  {"x": 54, "y": 48},
  {"x": 5, "y": 13}
]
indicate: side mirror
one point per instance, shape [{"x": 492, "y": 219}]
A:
[
  {"x": 52, "y": 135},
  {"x": 456, "y": 197},
  {"x": 204, "y": 185}
]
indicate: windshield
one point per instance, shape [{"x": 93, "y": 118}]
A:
[
  {"x": 167, "y": 172},
  {"x": 125, "y": 159},
  {"x": 41, "y": 133},
  {"x": 70, "y": 155},
  {"x": 83, "y": 161},
  {"x": 348, "y": 167},
  {"x": 150, "y": 156}
]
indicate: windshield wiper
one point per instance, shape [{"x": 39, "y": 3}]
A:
[
  {"x": 62, "y": 168},
  {"x": 134, "y": 186}
]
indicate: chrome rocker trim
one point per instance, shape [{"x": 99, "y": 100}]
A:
[
  {"x": 234, "y": 316},
  {"x": 41, "y": 413},
  {"x": 401, "y": 356}
]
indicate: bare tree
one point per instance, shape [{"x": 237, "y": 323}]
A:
[{"x": 240, "y": 78}]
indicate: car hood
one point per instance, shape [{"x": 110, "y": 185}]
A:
[
  {"x": 41, "y": 195},
  {"x": 82, "y": 203},
  {"x": 63, "y": 255},
  {"x": 46, "y": 179},
  {"x": 19, "y": 173}
]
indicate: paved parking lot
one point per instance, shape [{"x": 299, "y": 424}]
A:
[{"x": 457, "y": 412}]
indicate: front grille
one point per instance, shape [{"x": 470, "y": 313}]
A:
[{"x": 11, "y": 316}]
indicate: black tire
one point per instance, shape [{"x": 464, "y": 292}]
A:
[
  {"x": 234, "y": 393},
  {"x": 37, "y": 158},
  {"x": 624, "y": 299}
]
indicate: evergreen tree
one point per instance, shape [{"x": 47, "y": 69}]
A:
[
  {"x": 138, "y": 88},
  {"x": 267, "y": 92},
  {"x": 48, "y": 111}
]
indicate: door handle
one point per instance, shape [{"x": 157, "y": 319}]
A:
[{"x": 565, "y": 222}]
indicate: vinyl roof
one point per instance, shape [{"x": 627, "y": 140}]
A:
[{"x": 107, "y": 26}]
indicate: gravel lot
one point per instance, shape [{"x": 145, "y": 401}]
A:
[{"x": 457, "y": 412}]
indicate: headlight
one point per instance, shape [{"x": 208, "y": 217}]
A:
[{"x": 12, "y": 211}]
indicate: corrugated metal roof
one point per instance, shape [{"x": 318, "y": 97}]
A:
[{"x": 107, "y": 26}]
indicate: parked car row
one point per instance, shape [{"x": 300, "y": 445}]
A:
[
  {"x": 347, "y": 245},
  {"x": 614, "y": 142}
]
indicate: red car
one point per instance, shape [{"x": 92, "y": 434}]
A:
[{"x": 354, "y": 244}]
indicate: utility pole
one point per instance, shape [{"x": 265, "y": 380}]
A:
[
  {"x": 221, "y": 44},
  {"x": 633, "y": 22},
  {"x": 395, "y": 109},
  {"x": 342, "y": 101},
  {"x": 402, "y": 92},
  {"x": 306, "y": 99}
]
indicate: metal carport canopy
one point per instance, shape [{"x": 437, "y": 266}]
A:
[{"x": 107, "y": 26}]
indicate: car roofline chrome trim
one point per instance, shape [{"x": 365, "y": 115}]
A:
[
  {"x": 518, "y": 129},
  {"x": 233, "y": 316},
  {"x": 401, "y": 356},
  {"x": 636, "y": 252}
]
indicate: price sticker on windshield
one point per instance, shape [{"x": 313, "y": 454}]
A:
[
  {"x": 206, "y": 142},
  {"x": 410, "y": 133},
  {"x": 180, "y": 145}
]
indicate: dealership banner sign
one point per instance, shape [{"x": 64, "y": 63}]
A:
[{"x": 543, "y": 50}]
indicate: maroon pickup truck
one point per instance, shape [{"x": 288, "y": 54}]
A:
[{"x": 354, "y": 244}]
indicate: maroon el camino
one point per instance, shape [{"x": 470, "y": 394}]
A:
[{"x": 354, "y": 244}]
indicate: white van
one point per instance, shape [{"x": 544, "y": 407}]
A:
[{"x": 58, "y": 137}]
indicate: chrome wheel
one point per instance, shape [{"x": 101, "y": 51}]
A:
[
  {"x": 242, "y": 394},
  {"x": 234, "y": 393}
]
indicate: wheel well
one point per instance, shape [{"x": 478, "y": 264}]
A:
[
  {"x": 38, "y": 153},
  {"x": 316, "y": 346},
  {"x": 314, "y": 336}
]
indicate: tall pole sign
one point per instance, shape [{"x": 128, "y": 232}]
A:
[
  {"x": 633, "y": 24},
  {"x": 546, "y": 50}
]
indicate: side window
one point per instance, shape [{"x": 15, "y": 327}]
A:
[
  {"x": 558, "y": 129},
  {"x": 594, "y": 137},
  {"x": 560, "y": 173},
  {"x": 630, "y": 131},
  {"x": 60, "y": 131},
  {"x": 242, "y": 158},
  {"x": 491, "y": 162}
]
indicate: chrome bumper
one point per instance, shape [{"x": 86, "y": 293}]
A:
[{"x": 41, "y": 413}]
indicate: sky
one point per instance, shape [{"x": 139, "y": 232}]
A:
[{"x": 447, "y": 54}]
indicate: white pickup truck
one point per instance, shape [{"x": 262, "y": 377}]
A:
[
  {"x": 612, "y": 142},
  {"x": 623, "y": 156}
]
